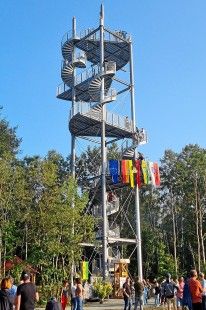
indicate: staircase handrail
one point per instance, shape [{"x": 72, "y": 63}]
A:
[
  {"x": 86, "y": 74},
  {"x": 61, "y": 88},
  {"x": 78, "y": 56}
]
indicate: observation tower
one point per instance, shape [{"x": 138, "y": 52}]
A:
[{"x": 97, "y": 69}]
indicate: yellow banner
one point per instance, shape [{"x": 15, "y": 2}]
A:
[{"x": 85, "y": 270}]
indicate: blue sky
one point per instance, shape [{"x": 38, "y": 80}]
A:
[{"x": 169, "y": 58}]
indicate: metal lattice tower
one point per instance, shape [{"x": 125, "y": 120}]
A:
[{"x": 92, "y": 61}]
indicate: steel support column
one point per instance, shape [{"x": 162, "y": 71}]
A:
[
  {"x": 73, "y": 138},
  {"x": 73, "y": 142},
  {"x": 103, "y": 151},
  {"x": 137, "y": 205}
]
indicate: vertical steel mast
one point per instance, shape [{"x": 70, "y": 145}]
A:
[
  {"x": 73, "y": 148},
  {"x": 137, "y": 205},
  {"x": 73, "y": 139},
  {"x": 103, "y": 149}
]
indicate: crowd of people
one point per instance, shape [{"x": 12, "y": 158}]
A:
[
  {"x": 25, "y": 295},
  {"x": 183, "y": 293},
  {"x": 21, "y": 297}
]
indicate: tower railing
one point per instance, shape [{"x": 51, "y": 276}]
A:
[
  {"x": 115, "y": 36},
  {"x": 85, "y": 108}
]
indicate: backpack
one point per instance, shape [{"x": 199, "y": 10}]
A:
[
  {"x": 169, "y": 290},
  {"x": 5, "y": 303}
]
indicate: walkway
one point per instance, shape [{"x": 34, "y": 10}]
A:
[{"x": 112, "y": 304}]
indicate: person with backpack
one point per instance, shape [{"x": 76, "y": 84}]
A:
[
  {"x": 5, "y": 300},
  {"x": 169, "y": 288}
]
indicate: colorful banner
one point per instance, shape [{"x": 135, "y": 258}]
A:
[
  {"x": 85, "y": 270},
  {"x": 136, "y": 172}
]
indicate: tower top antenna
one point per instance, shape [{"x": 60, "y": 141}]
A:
[{"x": 102, "y": 11}]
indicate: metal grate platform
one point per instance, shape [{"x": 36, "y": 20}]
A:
[{"x": 113, "y": 51}]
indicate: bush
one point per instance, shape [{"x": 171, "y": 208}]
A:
[{"x": 102, "y": 289}]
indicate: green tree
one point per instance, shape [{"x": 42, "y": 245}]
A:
[{"x": 9, "y": 143}]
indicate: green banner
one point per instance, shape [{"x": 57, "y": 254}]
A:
[{"x": 85, "y": 270}]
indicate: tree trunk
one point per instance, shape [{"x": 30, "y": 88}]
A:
[
  {"x": 201, "y": 232},
  {"x": 0, "y": 252},
  {"x": 4, "y": 262},
  {"x": 174, "y": 238},
  {"x": 26, "y": 241},
  {"x": 193, "y": 256},
  {"x": 197, "y": 226},
  {"x": 174, "y": 232},
  {"x": 182, "y": 243}
]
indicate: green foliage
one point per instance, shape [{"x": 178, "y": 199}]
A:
[
  {"x": 165, "y": 261},
  {"x": 102, "y": 289},
  {"x": 9, "y": 143},
  {"x": 43, "y": 216}
]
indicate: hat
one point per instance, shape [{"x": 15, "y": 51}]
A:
[
  {"x": 168, "y": 275},
  {"x": 25, "y": 275}
]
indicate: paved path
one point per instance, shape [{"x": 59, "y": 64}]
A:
[{"x": 111, "y": 304}]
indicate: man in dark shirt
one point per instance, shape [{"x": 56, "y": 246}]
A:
[
  {"x": 127, "y": 294},
  {"x": 139, "y": 288},
  {"x": 26, "y": 293}
]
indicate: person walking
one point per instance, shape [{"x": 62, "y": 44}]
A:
[
  {"x": 169, "y": 288},
  {"x": 64, "y": 294},
  {"x": 139, "y": 291},
  {"x": 203, "y": 283},
  {"x": 145, "y": 293},
  {"x": 73, "y": 296},
  {"x": 156, "y": 293},
  {"x": 27, "y": 294},
  {"x": 187, "y": 299},
  {"x": 79, "y": 295},
  {"x": 180, "y": 290},
  {"x": 196, "y": 290},
  {"x": 12, "y": 291},
  {"x": 5, "y": 300},
  {"x": 127, "y": 292}
]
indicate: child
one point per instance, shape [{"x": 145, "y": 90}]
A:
[{"x": 53, "y": 304}]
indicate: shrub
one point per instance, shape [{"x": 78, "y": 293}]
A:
[{"x": 102, "y": 289}]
